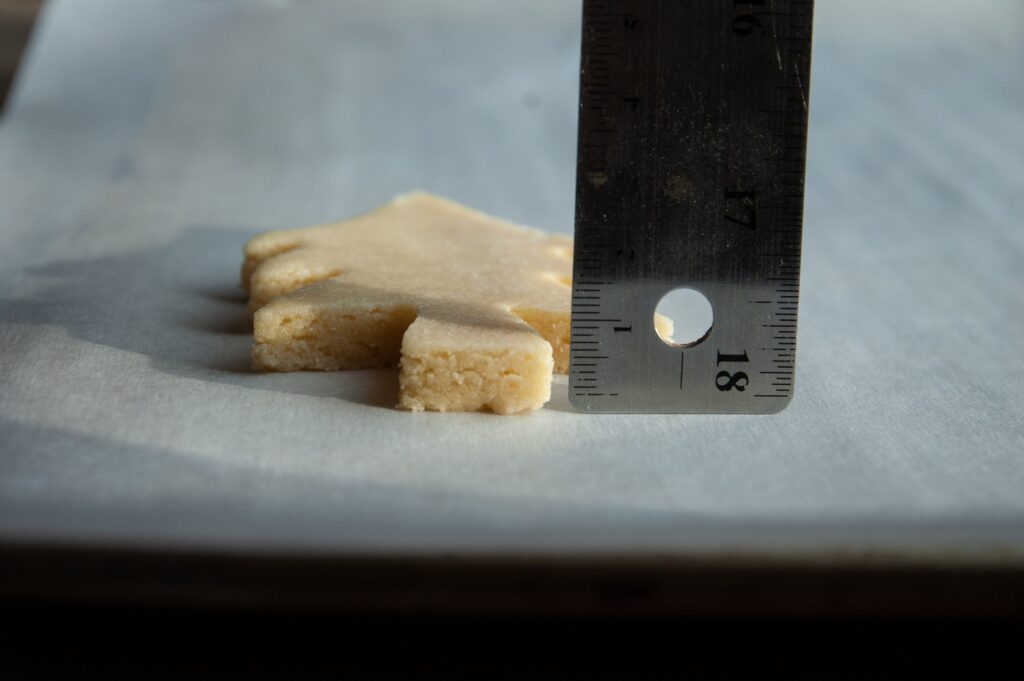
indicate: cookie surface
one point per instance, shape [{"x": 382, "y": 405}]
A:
[{"x": 474, "y": 309}]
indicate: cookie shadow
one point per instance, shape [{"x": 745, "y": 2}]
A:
[{"x": 179, "y": 304}]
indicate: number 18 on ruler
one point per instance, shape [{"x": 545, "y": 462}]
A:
[{"x": 690, "y": 174}]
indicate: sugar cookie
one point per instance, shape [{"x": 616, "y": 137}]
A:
[{"x": 474, "y": 309}]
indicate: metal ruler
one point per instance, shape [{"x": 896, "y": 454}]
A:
[{"x": 690, "y": 174}]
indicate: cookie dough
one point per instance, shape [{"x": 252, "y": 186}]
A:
[{"x": 474, "y": 309}]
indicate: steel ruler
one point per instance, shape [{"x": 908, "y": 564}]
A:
[{"x": 690, "y": 174}]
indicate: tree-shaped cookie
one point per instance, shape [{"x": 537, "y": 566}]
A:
[{"x": 474, "y": 309}]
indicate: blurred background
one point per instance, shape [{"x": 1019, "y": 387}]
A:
[
  {"x": 16, "y": 20},
  {"x": 296, "y": 111},
  {"x": 478, "y": 100}
]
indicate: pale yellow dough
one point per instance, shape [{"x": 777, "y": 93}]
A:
[{"x": 474, "y": 309}]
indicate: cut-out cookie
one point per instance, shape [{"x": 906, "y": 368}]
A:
[{"x": 474, "y": 309}]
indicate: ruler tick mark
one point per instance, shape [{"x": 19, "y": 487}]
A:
[{"x": 625, "y": 161}]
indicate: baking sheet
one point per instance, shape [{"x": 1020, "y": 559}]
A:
[{"x": 146, "y": 141}]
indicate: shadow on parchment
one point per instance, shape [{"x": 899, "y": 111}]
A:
[{"x": 181, "y": 305}]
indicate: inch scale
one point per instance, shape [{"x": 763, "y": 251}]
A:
[{"x": 690, "y": 174}]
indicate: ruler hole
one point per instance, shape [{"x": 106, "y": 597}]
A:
[{"x": 690, "y": 314}]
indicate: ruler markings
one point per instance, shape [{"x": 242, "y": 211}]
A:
[{"x": 633, "y": 144}]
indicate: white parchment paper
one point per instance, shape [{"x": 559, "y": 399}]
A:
[{"x": 146, "y": 141}]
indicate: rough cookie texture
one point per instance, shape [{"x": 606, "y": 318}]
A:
[{"x": 474, "y": 309}]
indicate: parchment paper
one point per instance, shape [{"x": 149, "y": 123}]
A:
[{"x": 146, "y": 141}]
